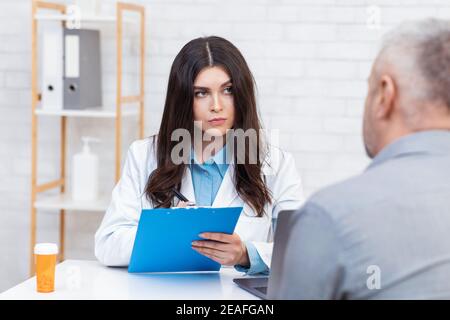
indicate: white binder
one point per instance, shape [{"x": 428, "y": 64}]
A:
[{"x": 52, "y": 69}]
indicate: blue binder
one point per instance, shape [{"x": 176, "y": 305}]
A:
[{"x": 164, "y": 236}]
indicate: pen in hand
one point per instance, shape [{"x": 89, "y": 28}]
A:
[{"x": 181, "y": 197}]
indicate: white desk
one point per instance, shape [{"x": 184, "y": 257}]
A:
[{"x": 79, "y": 279}]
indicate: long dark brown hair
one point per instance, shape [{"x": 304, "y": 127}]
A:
[{"x": 196, "y": 55}]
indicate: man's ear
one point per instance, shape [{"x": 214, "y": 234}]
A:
[{"x": 387, "y": 94}]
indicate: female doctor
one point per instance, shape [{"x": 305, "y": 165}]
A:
[{"x": 211, "y": 90}]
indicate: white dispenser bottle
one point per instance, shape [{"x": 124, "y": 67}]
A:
[{"x": 85, "y": 173}]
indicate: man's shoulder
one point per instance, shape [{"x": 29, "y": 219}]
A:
[{"x": 347, "y": 196}]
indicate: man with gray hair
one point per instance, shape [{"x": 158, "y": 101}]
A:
[{"x": 385, "y": 234}]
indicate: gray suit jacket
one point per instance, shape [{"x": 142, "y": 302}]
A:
[{"x": 384, "y": 234}]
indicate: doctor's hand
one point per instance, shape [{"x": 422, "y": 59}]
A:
[
  {"x": 184, "y": 204},
  {"x": 223, "y": 248}
]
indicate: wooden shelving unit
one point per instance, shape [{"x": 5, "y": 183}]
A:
[
  {"x": 124, "y": 108},
  {"x": 89, "y": 113}
]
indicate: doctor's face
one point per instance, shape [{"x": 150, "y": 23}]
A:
[{"x": 213, "y": 105}]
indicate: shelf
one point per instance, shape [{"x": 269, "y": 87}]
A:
[
  {"x": 89, "y": 113},
  {"x": 56, "y": 12},
  {"x": 65, "y": 17},
  {"x": 64, "y": 201}
]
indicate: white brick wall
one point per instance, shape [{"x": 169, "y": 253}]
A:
[{"x": 310, "y": 59}]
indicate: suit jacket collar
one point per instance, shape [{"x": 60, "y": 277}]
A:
[{"x": 423, "y": 142}]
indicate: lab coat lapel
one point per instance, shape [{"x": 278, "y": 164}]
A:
[
  {"x": 227, "y": 191},
  {"x": 187, "y": 186}
]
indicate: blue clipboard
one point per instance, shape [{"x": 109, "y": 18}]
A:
[{"x": 164, "y": 236}]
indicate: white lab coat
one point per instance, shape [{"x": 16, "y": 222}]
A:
[{"x": 115, "y": 237}]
